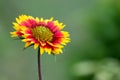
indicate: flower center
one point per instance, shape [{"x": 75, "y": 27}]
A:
[{"x": 42, "y": 33}]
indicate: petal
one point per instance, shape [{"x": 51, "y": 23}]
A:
[
  {"x": 36, "y": 45},
  {"x": 48, "y": 50},
  {"x": 15, "y": 24},
  {"x": 59, "y": 25},
  {"x": 51, "y": 19},
  {"x": 55, "y": 45},
  {"x": 13, "y": 34},
  {"x": 27, "y": 44},
  {"x": 41, "y": 50},
  {"x": 58, "y": 34},
  {"x": 57, "y": 51},
  {"x": 66, "y": 34}
]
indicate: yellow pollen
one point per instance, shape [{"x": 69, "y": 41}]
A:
[{"x": 42, "y": 33}]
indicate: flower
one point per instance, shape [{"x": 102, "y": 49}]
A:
[{"x": 43, "y": 33}]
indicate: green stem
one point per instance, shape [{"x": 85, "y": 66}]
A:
[{"x": 39, "y": 65}]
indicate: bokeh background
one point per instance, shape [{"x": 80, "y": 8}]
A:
[{"x": 94, "y": 51}]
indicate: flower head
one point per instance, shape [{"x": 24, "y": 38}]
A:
[{"x": 43, "y": 33}]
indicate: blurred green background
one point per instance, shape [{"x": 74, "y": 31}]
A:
[{"x": 94, "y": 51}]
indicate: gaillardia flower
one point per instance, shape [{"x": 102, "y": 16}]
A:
[{"x": 43, "y": 33}]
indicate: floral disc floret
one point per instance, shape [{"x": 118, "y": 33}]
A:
[{"x": 42, "y": 33}]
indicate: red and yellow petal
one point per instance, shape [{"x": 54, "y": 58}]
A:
[
  {"x": 59, "y": 25},
  {"x": 41, "y": 50},
  {"x": 56, "y": 51},
  {"x": 13, "y": 34},
  {"x": 23, "y": 18},
  {"x": 36, "y": 45},
  {"x": 27, "y": 44}
]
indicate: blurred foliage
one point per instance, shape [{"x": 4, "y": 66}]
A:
[
  {"x": 106, "y": 69},
  {"x": 94, "y": 26}
]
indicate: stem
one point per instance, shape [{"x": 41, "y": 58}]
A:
[{"x": 39, "y": 66}]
